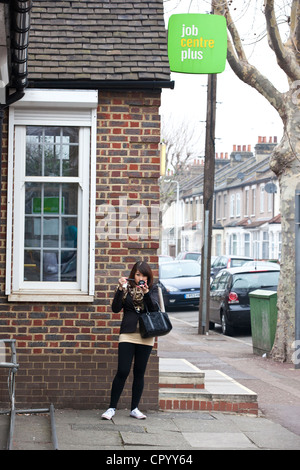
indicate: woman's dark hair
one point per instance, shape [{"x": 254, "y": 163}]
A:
[{"x": 144, "y": 269}]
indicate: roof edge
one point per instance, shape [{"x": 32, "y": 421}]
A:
[{"x": 101, "y": 84}]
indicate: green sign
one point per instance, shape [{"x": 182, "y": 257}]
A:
[
  {"x": 51, "y": 205},
  {"x": 197, "y": 43}
]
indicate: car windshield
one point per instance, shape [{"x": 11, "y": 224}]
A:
[
  {"x": 194, "y": 256},
  {"x": 260, "y": 279},
  {"x": 171, "y": 270},
  {"x": 236, "y": 262}
]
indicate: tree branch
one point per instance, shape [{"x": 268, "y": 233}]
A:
[
  {"x": 284, "y": 55},
  {"x": 295, "y": 25},
  {"x": 240, "y": 65}
]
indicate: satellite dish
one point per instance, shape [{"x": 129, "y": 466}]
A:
[
  {"x": 271, "y": 188},
  {"x": 238, "y": 157}
]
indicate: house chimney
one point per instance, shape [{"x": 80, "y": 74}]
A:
[
  {"x": 264, "y": 148},
  {"x": 240, "y": 153}
]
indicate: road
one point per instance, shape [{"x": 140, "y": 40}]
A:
[{"x": 191, "y": 318}]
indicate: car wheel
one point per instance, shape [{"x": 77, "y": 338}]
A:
[{"x": 226, "y": 329}]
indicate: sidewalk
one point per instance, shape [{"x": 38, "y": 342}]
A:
[
  {"x": 276, "y": 386},
  {"x": 161, "y": 431}
]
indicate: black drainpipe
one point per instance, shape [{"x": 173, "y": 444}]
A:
[{"x": 20, "y": 25}]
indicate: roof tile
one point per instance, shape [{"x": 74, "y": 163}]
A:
[{"x": 98, "y": 40}]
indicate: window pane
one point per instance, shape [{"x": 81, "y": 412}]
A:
[
  {"x": 68, "y": 265},
  {"x": 50, "y": 232},
  {"x": 69, "y": 151},
  {"x": 52, "y": 151},
  {"x": 50, "y": 266},
  {"x": 32, "y": 232},
  {"x": 34, "y": 150},
  {"x": 32, "y": 265},
  {"x": 69, "y": 199}
]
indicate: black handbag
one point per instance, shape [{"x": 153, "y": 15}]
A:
[{"x": 154, "y": 323}]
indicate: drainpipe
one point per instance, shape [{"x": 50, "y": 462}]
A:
[{"x": 20, "y": 25}]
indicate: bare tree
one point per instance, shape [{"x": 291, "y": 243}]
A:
[
  {"x": 182, "y": 146},
  {"x": 285, "y": 161}
]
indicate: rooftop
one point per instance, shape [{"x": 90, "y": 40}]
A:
[{"x": 92, "y": 40}]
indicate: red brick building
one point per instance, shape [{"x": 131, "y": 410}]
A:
[{"x": 79, "y": 192}]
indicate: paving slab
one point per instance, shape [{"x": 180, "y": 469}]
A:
[{"x": 219, "y": 441}]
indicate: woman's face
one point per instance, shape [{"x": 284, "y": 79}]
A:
[{"x": 140, "y": 277}]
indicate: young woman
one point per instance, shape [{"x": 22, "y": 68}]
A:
[{"x": 132, "y": 295}]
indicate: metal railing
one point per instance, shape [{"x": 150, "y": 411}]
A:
[{"x": 13, "y": 368}]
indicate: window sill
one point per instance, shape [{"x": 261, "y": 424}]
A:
[{"x": 46, "y": 297}]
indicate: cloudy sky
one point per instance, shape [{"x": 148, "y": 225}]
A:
[{"x": 242, "y": 113}]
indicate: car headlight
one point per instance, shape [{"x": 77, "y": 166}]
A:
[{"x": 171, "y": 288}]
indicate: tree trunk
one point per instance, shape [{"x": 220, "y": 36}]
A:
[{"x": 286, "y": 165}]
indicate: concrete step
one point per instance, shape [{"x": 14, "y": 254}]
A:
[
  {"x": 184, "y": 387},
  {"x": 174, "y": 373}
]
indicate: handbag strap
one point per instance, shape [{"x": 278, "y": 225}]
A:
[{"x": 158, "y": 307}]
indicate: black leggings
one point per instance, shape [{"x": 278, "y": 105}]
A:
[{"x": 128, "y": 351}]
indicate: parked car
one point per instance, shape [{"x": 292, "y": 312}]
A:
[
  {"x": 195, "y": 255},
  {"x": 229, "y": 295},
  {"x": 164, "y": 258},
  {"x": 231, "y": 261},
  {"x": 180, "y": 283},
  {"x": 260, "y": 264}
]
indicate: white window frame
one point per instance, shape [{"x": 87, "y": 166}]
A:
[
  {"x": 246, "y": 201},
  {"x": 237, "y": 204},
  {"x": 52, "y": 108},
  {"x": 232, "y": 205},
  {"x": 262, "y": 198},
  {"x": 225, "y": 205},
  {"x": 253, "y": 197}
]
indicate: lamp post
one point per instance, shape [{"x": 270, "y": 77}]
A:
[{"x": 176, "y": 214}]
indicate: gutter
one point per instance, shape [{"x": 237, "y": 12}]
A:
[{"x": 102, "y": 84}]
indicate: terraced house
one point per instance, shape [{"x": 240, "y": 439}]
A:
[
  {"x": 81, "y": 89},
  {"x": 246, "y": 208}
]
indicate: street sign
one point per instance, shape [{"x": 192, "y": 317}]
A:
[{"x": 197, "y": 43}]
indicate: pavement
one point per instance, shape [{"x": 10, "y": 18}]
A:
[{"x": 179, "y": 435}]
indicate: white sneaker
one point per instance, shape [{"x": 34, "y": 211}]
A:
[
  {"x": 108, "y": 413},
  {"x": 137, "y": 414}
]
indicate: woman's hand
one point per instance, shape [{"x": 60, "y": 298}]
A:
[
  {"x": 144, "y": 288},
  {"x": 122, "y": 282}
]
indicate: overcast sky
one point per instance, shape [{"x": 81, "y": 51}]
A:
[{"x": 242, "y": 113}]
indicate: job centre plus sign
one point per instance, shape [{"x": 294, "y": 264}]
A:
[{"x": 197, "y": 43}]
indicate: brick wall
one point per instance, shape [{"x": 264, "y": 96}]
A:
[{"x": 67, "y": 351}]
